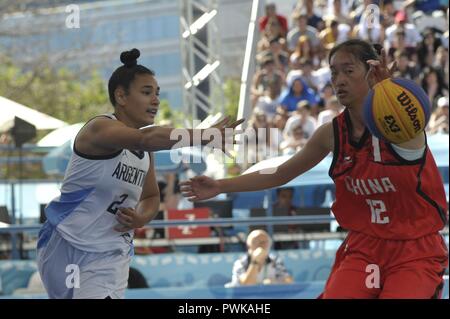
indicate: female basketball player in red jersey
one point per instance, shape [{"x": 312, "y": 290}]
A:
[{"x": 389, "y": 197}]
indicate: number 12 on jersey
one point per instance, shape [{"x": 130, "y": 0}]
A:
[{"x": 376, "y": 208}]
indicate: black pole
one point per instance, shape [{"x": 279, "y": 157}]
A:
[
  {"x": 13, "y": 204},
  {"x": 14, "y": 252},
  {"x": 20, "y": 186}
]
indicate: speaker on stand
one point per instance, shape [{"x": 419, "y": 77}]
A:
[{"x": 21, "y": 132}]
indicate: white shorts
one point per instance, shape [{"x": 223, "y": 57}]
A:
[{"x": 68, "y": 272}]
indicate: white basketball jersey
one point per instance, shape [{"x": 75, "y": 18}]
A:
[{"x": 93, "y": 189}]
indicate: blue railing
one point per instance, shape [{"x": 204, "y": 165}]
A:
[
  {"x": 270, "y": 221},
  {"x": 281, "y": 220}
]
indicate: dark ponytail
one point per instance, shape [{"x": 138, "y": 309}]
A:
[
  {"x": 360, "y": 49},
  {"x": 125, "y": 74}
]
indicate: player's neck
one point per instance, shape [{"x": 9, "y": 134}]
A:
[
  {"x": 124, "y": 118},
  {"x": 356, "y": 118}
]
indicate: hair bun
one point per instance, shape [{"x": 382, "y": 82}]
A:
[{"x": 129, "y": 58}]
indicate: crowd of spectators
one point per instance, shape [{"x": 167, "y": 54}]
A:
[{"x": 291, "y": 91}]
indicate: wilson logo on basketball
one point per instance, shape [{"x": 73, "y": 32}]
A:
[{"x": 405, "y": 101}]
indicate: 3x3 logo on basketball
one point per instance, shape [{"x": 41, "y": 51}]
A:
[{"x": 410, "y": 109}]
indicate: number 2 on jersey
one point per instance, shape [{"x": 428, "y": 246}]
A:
[
  {"x": 376, "y": 208},
  {"x": 113, "y": 207}
]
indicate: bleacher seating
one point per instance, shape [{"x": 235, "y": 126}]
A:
[{"x": 163, "y": 270}]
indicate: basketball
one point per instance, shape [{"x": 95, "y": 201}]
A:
[{"x": 396, "y": 110}]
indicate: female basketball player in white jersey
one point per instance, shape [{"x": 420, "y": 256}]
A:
[{"x": 109, "y": 189}]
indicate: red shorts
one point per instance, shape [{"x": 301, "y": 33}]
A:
[{"x": 367, "y": 267}]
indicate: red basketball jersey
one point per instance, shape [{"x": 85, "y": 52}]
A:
[{"x": 381, "y": 194}]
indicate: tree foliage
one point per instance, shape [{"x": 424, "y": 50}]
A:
[
  {"x": 231, "y": 91},
  {"x": 59, "y": 93}
]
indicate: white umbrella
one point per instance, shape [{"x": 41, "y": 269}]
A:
[
  {"x": 9, "y": 109},
  {"x": 59, "y": 136}
]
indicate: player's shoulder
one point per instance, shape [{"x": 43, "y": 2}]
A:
[
  {"x": 99, "y": 123},
  {"x": 325, "y": 130}
]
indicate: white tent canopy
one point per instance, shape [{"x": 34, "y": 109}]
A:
[
  {"x": 9, "y": 109},
  {"x": 60, "y": 136}
]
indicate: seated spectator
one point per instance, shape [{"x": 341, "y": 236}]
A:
[
  {"x": 412, "y": 37},
  {"x": 332, "y": 109},
  {"x": 334, "y": 33},
  {"x": 326, "y": 93},
  {"x": 272, "y": 31},
  {"x": 340, "y": 10},
  {"x": 441, "y": 59},
  {"x": 277, "y": 53},
  {"x": 295, "y": 69},
  {"x": 258, "y": 141},
  {"x": 297, "y": 90},
  {"x": 268, "y": 103},
  {"x": 322, "y": 75},
  {"x": 405, "y": 69},
  {"x": 271, "y": 13},
  {"x": 439, "y": 120},
  {"x": 301, "y": 28},
  {"x": 301, "y": 116},
  {"x": 427, "y": 48},
  {"x": 303, "y": 51},
  {"x": 441, "y": 64},
  {"x": 314, "y": 20},
  {"x": 295, "y": 141},
  {"x": 387, "y": 14},
  {"x": 279, "y": 121},
  {"x": 305, "y": 70},
  {"x": 267, "y": 76},
  {"x": 259, "y": 266},
  {"x": 284, "y": 200},
  {"x": 433, "y": 84}
]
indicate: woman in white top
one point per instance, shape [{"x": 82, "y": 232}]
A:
[{"x": 109, "y": 189}]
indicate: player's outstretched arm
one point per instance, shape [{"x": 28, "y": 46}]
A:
[
  {"x": 320, "y": 144},
  {"x": 109, "y": 135}
]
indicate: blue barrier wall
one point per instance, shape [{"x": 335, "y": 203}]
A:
[
  {"x": 202, "y": 276},
  {"x": 188, "y": 270},
  {"x": 15, "y": 274},
  {"x": 210, "y": 270}
]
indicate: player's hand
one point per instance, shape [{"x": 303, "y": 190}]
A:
[
  {"x": 378, "y": 70},
  {"x": 259, "y": 255},
  {"x": 128, "y": 219},
  {"x": 199, "y": 188},
  {"x": 227, "y": 133}
]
